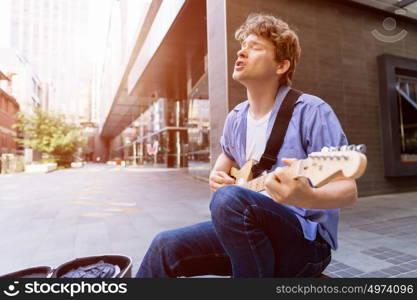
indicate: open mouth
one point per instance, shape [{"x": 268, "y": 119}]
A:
[{"x": 239, "y": 65}]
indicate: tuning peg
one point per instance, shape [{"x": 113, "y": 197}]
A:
[
  {"x": 343, "y": 148},
  {"x": 361, "y": 148},
  {"x": 325, "y": 149},
  {"x": 351, "y": 147}
]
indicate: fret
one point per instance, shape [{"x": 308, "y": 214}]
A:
[
  {"x": 257, "y": 184},
  {"x": 262, "y": 183}
]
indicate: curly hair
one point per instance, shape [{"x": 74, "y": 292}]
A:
[{"x": 287, "y": 46}]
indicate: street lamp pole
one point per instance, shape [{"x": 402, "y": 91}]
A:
[
  {"x": 134, "y": 153},
  {"x": 135, "y": 126}
]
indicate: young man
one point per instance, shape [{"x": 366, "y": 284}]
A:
[{"x": 288, "y": 231}]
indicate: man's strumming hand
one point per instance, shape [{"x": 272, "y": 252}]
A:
[{"x": 218, "y": 179}]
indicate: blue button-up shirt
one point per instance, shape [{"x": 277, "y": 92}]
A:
[{"x": 313, "y": 125}]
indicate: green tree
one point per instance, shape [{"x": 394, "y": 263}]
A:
[{"x": 48, "y": 133}]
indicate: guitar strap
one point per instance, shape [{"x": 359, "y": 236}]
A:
[{"x": 276, "y": 138}]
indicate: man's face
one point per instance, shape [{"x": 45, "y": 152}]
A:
[{"x": 255, "y": 60}]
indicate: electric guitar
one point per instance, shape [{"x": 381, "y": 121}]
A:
[{"x": 319, "y": 167}]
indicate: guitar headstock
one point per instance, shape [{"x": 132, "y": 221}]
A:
[{"x": 348, "y": 161}]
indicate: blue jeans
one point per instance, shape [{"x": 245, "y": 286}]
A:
[{"x": 250, "y": 235}]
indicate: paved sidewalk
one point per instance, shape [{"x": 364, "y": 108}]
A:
[
  {"x": 48, "y": 219},
  {"x": 377, "y": 238}
]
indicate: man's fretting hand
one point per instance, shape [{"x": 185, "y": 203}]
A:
[{"x": 283, "y": 188}]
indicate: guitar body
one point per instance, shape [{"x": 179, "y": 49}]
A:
[{"x": 243, "y": 175}]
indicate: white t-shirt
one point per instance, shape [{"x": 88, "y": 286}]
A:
[
  {"x": 256, "y": 139},
  {"x": 256, "y": 136}
]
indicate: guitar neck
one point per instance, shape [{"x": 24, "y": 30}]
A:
[
  {"x": 258, "y": 184},
  {"x": 319, "y": 168}
]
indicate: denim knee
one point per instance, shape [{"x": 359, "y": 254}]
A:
[
  {"x": 158, "y": 258},
  {"x": 164, "y": 249},
  {"x": 162, "y": 242},
  {"x": 226, "y": 199}
]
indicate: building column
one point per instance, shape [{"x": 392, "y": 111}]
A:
[
  {"x": 176, "y": 112},
  {"x": 101, "y": 149},
  {"x": 223, "y": 18},
  {"x": 217, "y": 72}
]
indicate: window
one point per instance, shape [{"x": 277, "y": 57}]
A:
[
  {"x": 407, "y": 115},
  {"x": 398, "y": 107}
]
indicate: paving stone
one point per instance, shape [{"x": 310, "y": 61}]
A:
[
  {"x": 414, "y": 262},
  {"x": 331, "y": 268},
  {"x": 401, "y": 268},
  {"x": 374, "y": 275},
  {"x": 341, "y": 266},
  {"x": 408, "y": 275},
  {"x": 408, "y": 257},
  {"x": 381, "y": 256},
  {"x": 354, "y": 271},
  {"x": 344, "y": 274},
  {"x": 368, "y": 252},
  {"x": 362, "y": 261},
  {"x": 392, "y": 271},
  {"x": 384, "y": 249},
  {"x": 395, "y": 253},
  {"x": 407, "y": 266},
  {"x": 395, "y": 261}
]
